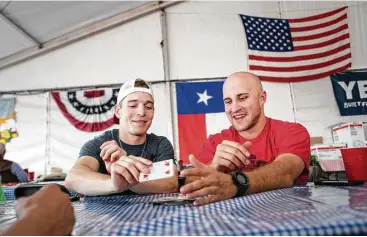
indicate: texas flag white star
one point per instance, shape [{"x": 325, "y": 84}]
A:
[{"x": 204, "y": 97}]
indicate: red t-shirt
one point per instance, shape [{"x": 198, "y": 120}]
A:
[{"x": 278, "y": 137}]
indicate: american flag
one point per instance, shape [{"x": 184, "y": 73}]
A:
[{"x": 292, "y": 50}]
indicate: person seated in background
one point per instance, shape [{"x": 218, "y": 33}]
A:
[
  {"x": 10, "y": 171},
  {"x": 113, "y": 161},
  {"x": 47, "y": 212},
  {"x": 2, "y": 194},
  {"x": 226, "y": 160}
]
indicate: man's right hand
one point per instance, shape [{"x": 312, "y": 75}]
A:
[
  {"x": 231, "y": 156},
  {"x": 125, "y": 172},
  {"x": 111, "y": 152},
  {"x": 47, "y": 212}
]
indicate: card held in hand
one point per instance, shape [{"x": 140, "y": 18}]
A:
[{"x": 160, "y": 170}]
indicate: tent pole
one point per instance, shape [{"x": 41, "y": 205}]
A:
[
  {"x": 48, "y": 128},
  {"x": 168, "y": 83},
  {"x": 293, "y": 101}
]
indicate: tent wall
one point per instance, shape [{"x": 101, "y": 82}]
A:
[
  {"x": 30, "y": 147},
  {"x": 129, "y": 51},
  {"x": 205, "y": 40}
]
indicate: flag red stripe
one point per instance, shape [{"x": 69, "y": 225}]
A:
[
  {"x": 322, "y": 44},
  {"x": 320, "y": 35},
  {"x": 86, "y": 127},
  {"x": 317, "y": 17},
  {"x": 299, "y": 58},
  {"x": 191, "y": 134},
  {"x": 305, "y": 78},
  {"x": 301, "y": 68},
  {"x": 318, "y": 26}
]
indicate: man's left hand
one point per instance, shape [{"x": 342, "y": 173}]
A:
[
  {"x": 213, "y": 186},
  {"x": 110, "y": 153}
]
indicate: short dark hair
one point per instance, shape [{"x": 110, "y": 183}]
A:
[{"x": 141, "y": 83}]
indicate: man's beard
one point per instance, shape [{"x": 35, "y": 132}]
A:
[
  {"x": 253, "y": 122},
  {"x": 138, "y": 134}
]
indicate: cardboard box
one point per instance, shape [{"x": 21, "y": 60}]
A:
[
  {"x": 351, "y": 134},
  {"x": 316, "y": 140}
]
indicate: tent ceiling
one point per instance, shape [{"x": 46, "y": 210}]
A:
[{"x": 42, "y": 21}]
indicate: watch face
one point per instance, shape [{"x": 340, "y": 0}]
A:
[{"x": 241, "y": 179}]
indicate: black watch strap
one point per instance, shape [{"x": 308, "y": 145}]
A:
[
  {"x": 181, "y": 181},
  {"x": 241, "y": 181}
]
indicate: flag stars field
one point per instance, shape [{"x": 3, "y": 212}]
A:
[{"x": 204, "y": 97}]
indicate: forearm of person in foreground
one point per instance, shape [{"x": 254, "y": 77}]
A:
[
  {"x": 27, "y": 226},
  {"x": 47, "y": 212}
]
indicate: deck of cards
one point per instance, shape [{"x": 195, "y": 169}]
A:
[
  {"x": 177, "y": 199},
  {"x": 160, "y": 170}
]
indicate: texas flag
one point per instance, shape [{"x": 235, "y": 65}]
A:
[{"x": 200, "y": 112}]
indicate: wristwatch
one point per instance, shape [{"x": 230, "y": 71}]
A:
[{"x": 241, "y": 181}]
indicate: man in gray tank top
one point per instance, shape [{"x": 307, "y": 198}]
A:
[{"x": 112, "y": 162}]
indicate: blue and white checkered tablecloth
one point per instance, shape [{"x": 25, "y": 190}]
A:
[{"x": 306, "y": 210}]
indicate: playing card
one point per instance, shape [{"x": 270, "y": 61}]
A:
[{"x": 160, "y": 170}]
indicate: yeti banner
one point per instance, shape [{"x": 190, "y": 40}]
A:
[{"x": 350, "y": 90}]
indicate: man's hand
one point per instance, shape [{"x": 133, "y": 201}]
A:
[
  {"x": 231, "y": 156},
  {"x": 125, "y": 171},
  {"x": 111, "y": 152},
  {"x": 49, "y": 211},
  {"x": 213, "y": 186}
]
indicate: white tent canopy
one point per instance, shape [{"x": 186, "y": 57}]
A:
[
  {"x": 29, "y": 27},
  {"x": 108, "y": 43}
]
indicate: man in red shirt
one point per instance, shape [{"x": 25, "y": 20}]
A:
[{"x": 228, "y": 162}]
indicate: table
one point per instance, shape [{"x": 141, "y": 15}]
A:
[
  {"x": 9, "y": 192},
  {"x": 302, "y": 210}
]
